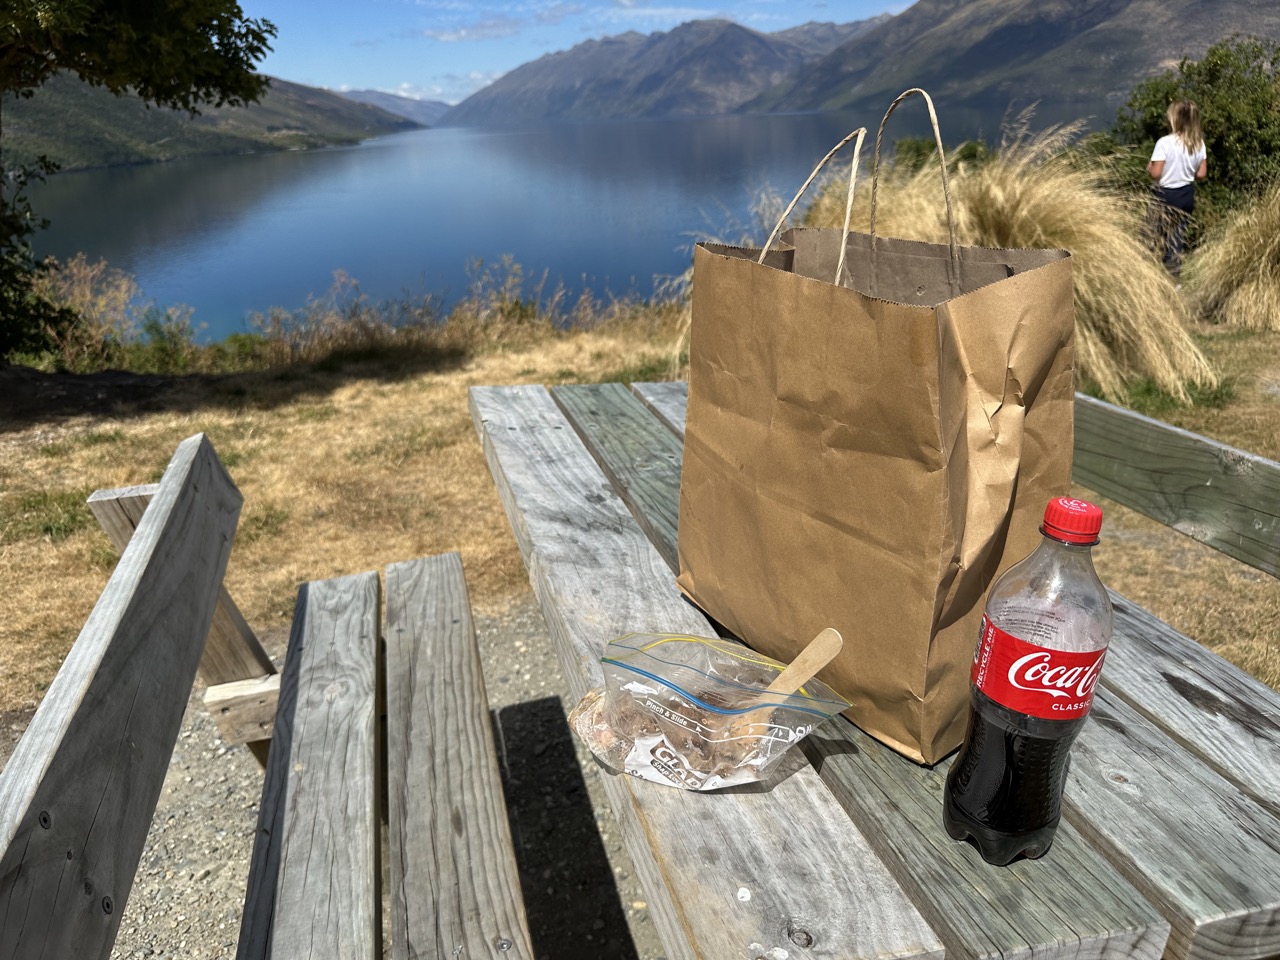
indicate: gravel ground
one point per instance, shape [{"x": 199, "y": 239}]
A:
[{"x": 580, "y": 894}]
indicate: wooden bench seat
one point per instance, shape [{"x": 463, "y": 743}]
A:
[
  {"x": 78, "y": 795},
  {"x": 455, "y": 891}
]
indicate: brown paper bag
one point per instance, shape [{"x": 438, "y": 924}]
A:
[{"x": 869, "y": 455}]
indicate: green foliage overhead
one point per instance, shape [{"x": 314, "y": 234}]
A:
[
  {"x": 174, "y": 53},
  {"x": 1235, "y": 87},
  {"x": 178, "y": 53}
]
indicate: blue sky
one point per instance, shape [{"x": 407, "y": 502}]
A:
[{"x": 448, "y": 49}]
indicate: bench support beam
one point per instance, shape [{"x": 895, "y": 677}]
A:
[{"x": 232, "y": 651}]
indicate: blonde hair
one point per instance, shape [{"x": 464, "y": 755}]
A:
[{"x": 1184, "y": 120}]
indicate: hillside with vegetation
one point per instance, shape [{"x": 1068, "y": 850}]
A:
[
  {"x": 79, "y": 126},
  {"x": 998, "y": 50}
]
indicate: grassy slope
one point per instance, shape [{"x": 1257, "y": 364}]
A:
[
  {"x": 343, "y": 469},
  {"x": 81, "y": 126}
]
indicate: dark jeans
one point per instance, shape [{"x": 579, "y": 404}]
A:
[{"x": 1167, "y": 220}]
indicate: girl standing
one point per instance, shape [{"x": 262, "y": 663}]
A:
[{"x": 1177, "y": 162}]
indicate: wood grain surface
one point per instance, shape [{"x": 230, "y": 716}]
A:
[
  {"x": 78, "y": 793},
  {"x": 668, "y": 401},
  {"x": 1073, "y": 905},
  {"x": 1206, "y": 854},
  {"x": 1227, "y": 498},
  {"x": 728, "y": 874},
  {"x": 314, "y": 889},
  {"x": 455, "y": 887},
  {"x": 232, "y": 650},
  {"x": 245, "y": 710},
  {"x": 642, "y": 464}
]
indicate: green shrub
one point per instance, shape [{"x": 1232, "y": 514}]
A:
[{"x": 1235, "y": 86}]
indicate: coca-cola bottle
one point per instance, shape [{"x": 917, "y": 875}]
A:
[{"x": 1044, "y": 634}]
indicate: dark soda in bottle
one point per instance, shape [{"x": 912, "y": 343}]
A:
[{"x": 1045, "y": 632}]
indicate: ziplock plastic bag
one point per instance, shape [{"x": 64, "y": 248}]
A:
[{"x": 692, "y": 712}]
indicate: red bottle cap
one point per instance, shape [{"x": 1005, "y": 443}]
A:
[{"x": 1072, "y": 521}]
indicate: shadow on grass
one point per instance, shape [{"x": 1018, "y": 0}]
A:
[{"x": 29, "y": 397}]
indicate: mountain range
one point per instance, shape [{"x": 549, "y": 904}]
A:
[
  {"x": 979, "y": 51},
  {"x": 700, "y": 68},
  {"x": 1027, "y": 49},
  {"x": 972, "y": 50}
]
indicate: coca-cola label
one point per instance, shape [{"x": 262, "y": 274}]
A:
[{"x": 1037, "y": 681}]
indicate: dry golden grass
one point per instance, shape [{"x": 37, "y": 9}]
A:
[
  {"x": 1235, "y": 274},
  {"x": 1131, "y": 321},
  {"x": 1226, "y": 605},
  {"x": 341, "y": 472},
  {"x": 349, "y": 469}
]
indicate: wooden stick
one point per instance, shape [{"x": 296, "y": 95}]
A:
[{"x": 820, "y": 651}]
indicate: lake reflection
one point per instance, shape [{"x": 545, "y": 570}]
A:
[{"x": 605, "y": 206}]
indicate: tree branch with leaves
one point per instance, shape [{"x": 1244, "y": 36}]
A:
[{"x": 180, "y": 54}]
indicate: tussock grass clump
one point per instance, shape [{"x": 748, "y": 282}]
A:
[
  {"x": 1131, "y": 321},
  {"x": 116, "y": 327},
  {"x": 1235, "y": 275},
  {"x": 346, "y": 325}
]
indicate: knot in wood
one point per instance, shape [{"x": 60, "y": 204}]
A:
[{"x": 798, "y": 935}]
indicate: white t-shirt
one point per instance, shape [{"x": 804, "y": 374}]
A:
[{"x": 1179, "y": 166}]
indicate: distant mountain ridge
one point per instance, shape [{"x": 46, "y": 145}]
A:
[
  {"x": 960, "y": 50},
  {"x": 425, "y": 112},
  {"x": 81, "y": 126},
  {"x": 704, "y": 67},
  {"x": 1019, "y": 49}
]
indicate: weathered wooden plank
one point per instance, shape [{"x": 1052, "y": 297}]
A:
[
  {"x": 727, "y": 873},
  {"x": 1228, "y": 718},
  {"x": 314, "y": 876},
  {"x": 455, "y": 885},
  {"x": 77, "y": 796},
  {"x": 1205, "y": 853},
  {"x": 1213, "y": 493},
  {"x": 1183, "y": 834},
  {"x": 1080, "y": 907},
  {"x": 668, "y": 402},
  {"x": 244, "y": 711},
  {"x": 642, "y": 464},
  {"x": 232, "y": 651},
  {"x": 1072, "y": 904}
]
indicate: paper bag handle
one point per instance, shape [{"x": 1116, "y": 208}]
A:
[
  {"x": 954, "y": 270},
  {"x": 860, "y": 135}
]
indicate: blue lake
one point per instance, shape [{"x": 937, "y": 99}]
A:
[{"x": 612, "y": 207}]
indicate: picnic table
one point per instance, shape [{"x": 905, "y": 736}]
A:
[{"x": 1170, "y": 842}]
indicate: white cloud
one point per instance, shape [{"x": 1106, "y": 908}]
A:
[
  {"x": 491, "y": 28},
  {"x": 556, "y": 13},
  {"x": 452, "y": 87},
  {"x": 631, "y": 11}
]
